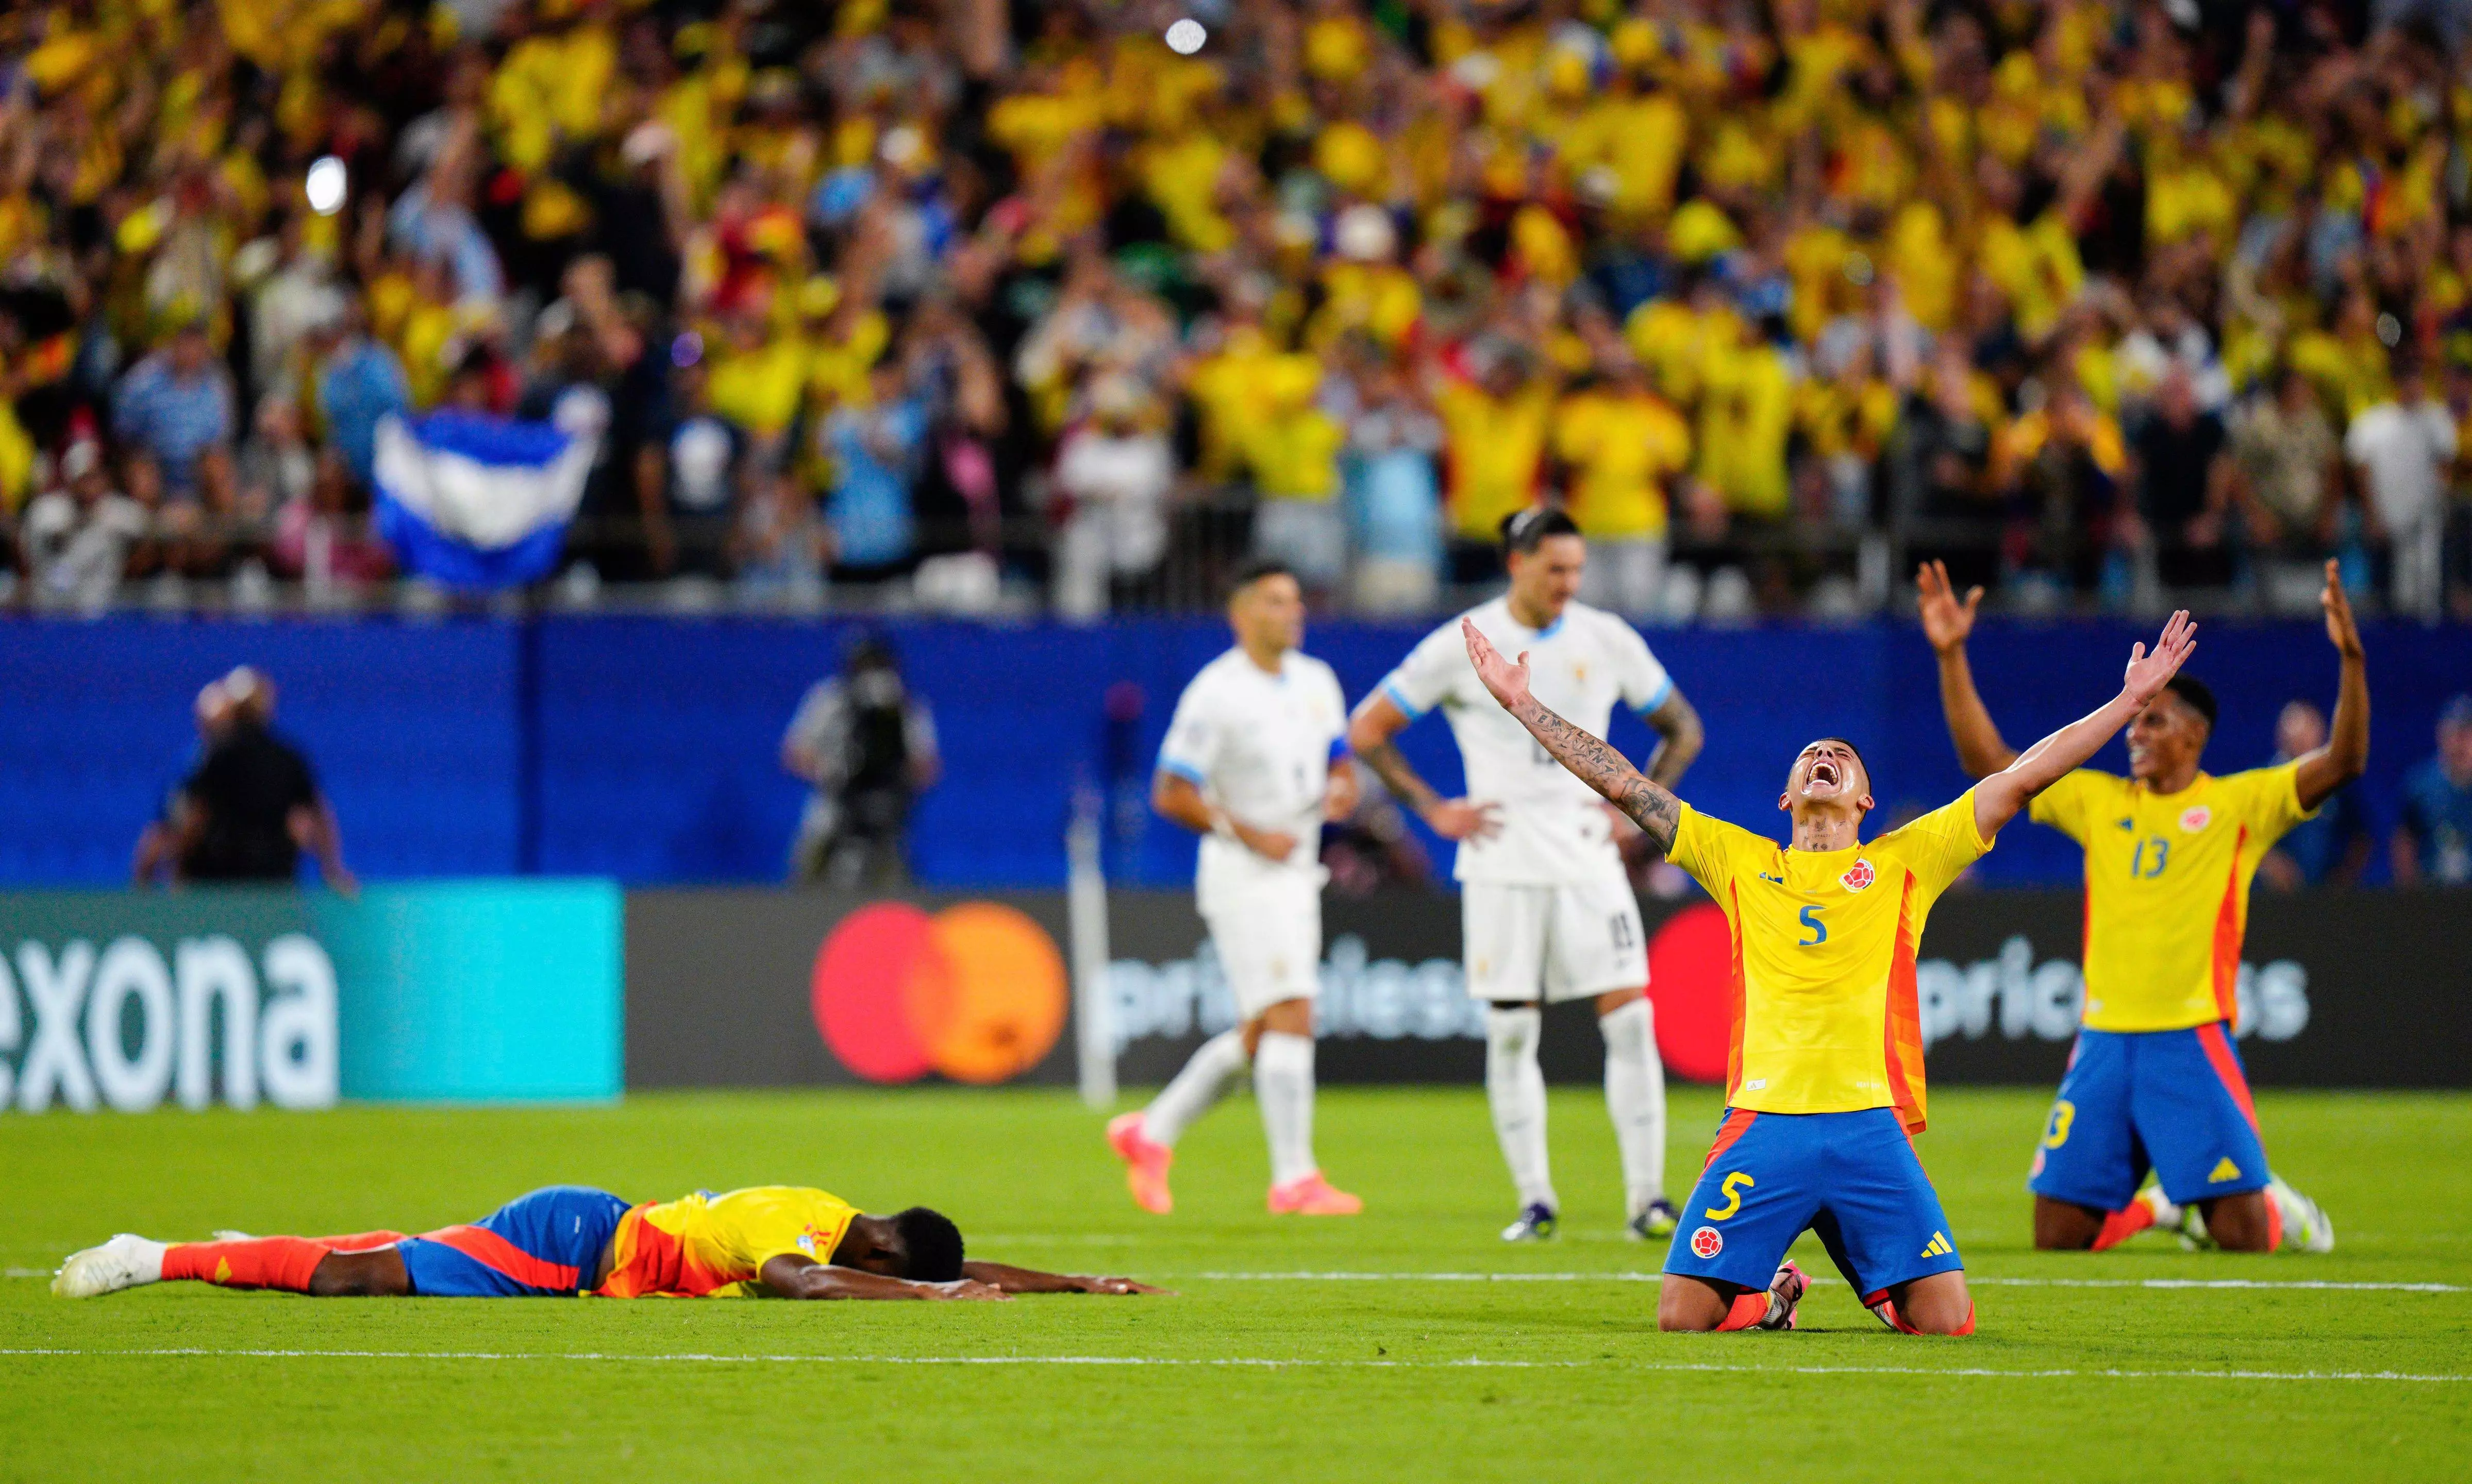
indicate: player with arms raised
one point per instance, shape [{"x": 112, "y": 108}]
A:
[
  {"x": 1253, "y": 763},
  {"x": 2169, "y": 852},
  {"x": 1546, "y": 912},
  {"x": 1824, "y": 1079}
]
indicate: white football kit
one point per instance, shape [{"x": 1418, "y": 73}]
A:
[
  {"x": 1260, "y": 746},
  {"x": 1546, "y": 908}
]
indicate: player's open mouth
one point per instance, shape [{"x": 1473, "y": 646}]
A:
[{"x": 1824, "y": 771}]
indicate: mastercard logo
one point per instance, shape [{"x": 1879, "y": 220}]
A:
[
  {"x": 975, "y": 992},
  {"x": 1691, "y": 982}
]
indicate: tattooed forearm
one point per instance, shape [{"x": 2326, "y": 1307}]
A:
[
  {"x": 1655, "y": 811},
  {"x": 1393, "y": 767}
]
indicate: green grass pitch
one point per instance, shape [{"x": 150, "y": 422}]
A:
[{"x": 2085, "y": 1368}]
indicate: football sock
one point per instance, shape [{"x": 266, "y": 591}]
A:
[
  {"x": 1514, "y": 1086},
  {"x": 360, "y": 1241},
  {"x": 2123, "y": 1224},
  {"x": 1215, "y": 1065},
  {"x": 1283, "y": 1083},
  {"x": 283, "y": 1263},
  {"x": 1749, "y": 1307},
  {"x": 2275, "y": 1223},
  {"x": 1635, "y": 1097}
]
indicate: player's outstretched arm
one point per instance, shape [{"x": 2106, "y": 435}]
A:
[
  {"x": 794, "y": 1276},
  {"x": 1657, "y": 811},
  {"x": 2345, "y": 755},
  {"x": 1030, "y": 1280},
  {"x": 1998, "y": 798},
  {"x": 1946, "y": 624}
]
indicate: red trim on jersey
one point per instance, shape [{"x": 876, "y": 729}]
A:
[
  {"x": 1736, "y": 995},
  {"x": 2219, "y": 1051},
  {"x": 1901, "y": 1033},
  {"x": 1736, "y": 1124},
  {"x": 2227, "y": 937},
  {"x": 490, "y": 1250}
]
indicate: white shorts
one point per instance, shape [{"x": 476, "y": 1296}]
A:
[
  {"x": 1524, "y": 944},
  {"x": 1269, "y": 940}
]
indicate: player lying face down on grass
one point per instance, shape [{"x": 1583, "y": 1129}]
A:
[
  {"x": 1824, "y": 1080},
  {"x": 565, "y": 1242}
]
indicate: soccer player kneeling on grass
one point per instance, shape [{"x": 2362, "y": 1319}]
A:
[
  {"x": 2169, "y": 851},
  {"x": 1825, "y": 1083},
  {"x": 775, "y": 1241}
]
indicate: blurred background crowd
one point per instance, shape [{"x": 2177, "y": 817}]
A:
[{"x": 1005, "y": 306}]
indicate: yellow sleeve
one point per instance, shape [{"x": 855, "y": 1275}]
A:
[
  {"x": 1940, "y": 845},
  {"x": 765, "y": 1224},
  {"x": 2063, "y": 805},
  {"x": 2269, "y": 801},
  {"x": 1707, "y": 849}
]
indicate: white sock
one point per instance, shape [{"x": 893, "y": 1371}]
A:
[
  {"x": 1514, "y": 1086},
  {"x": 1636, "y": 1097},
  {"x": 1283, "y": 1084},
  {"x": 1215, "y": 1065}
]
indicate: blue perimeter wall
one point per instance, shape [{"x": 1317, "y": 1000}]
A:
[{"x": 646, "y": 748}]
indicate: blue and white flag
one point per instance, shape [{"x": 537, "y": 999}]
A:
[{"x": 472, "y": 500}]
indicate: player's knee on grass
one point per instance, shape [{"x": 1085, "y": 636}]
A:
[
  {"x": 2239, "y": 1223},
  {"x": 1692, "y": 1305},
  {"x": 1937, "y": 1305},
  {"x": 2065, "y": 1226},
  {"x": 360, "y": 1275}
]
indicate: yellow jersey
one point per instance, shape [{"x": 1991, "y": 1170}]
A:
[
  {"x": 2167, "y": 878},
  {"x": 1622, "y": 449},
  {"x": 713, "y": 1246},
  {"x": 1823, "y": 958},
  {"x": 1495, "y": 446}
]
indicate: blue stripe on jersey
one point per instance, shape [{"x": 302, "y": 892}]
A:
[{"x": 1390, "y": 688}]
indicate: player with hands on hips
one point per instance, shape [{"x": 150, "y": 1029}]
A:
[
  {"x": 1254, "y": 762},
  {"x": 1547, "y": 910}
]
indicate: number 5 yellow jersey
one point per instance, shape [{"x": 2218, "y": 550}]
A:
[
  {"x": 1823, "y": 958},
  {"x": 2167, "y": 878}
]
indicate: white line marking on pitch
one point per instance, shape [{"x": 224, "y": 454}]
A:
[
  {"x": 1971, "y": 1278},
  {"x": 1245, "y": 1361}
]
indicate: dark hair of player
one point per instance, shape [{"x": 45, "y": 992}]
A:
[
  {"x": 931, "y": 1243},
  {"x": 1255, "y": 571},
  {"x": 2193, "y": 691},
  {"x": 1525, "y": 530}
]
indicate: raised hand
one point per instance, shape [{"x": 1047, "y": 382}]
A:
[
  {"x": 1946, "y": 622},
  {"x": 2341, "y": 630},
  {"x": 1509, "y": 682},
  {"x": 2148, "y": 673}
]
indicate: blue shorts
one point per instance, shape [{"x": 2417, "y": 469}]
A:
[
  {"x": 543, "y": 1246},
  {"x": 2174, "y": 1101},
  {"x": 1851, "y": 1177}
]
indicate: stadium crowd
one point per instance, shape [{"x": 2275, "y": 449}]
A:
[{"x": 976, "y": 303}]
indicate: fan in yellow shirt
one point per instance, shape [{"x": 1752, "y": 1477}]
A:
[
  {"x": 1623, "y": 445},
  {"x": 2169, "y": 852},
  {"x": 568, "y": 1240},
  {"x": 1824, "y": 1079}
]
